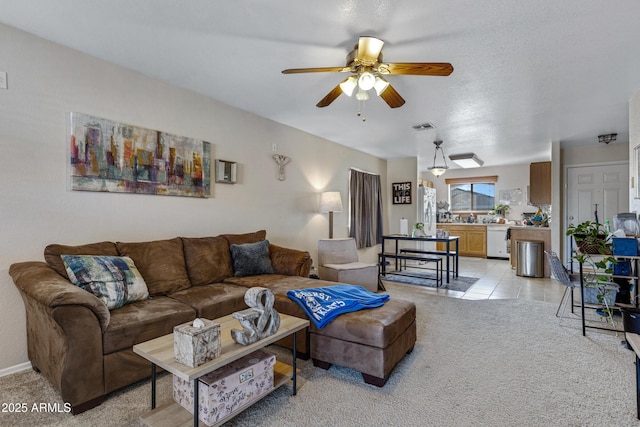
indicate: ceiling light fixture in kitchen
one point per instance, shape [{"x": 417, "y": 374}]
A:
[
  {"x": 437, "y": 169},
  {"x": 466, "y": 160}
]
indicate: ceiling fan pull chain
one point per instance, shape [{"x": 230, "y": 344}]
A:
[{"x": 361, "y": 110}]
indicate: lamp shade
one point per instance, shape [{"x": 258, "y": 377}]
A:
[
  {"x": 330, "y": 201},
  {"x": 366, "y": 80},
  {"x": 349, "y": 85},
  {"x": 381, "y": 85}
]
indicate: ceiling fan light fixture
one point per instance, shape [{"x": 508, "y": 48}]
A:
[
  {"x": 437, "y": 169},
  {"x": 369, "y": 49},
  {"x": 380, "y": 85},
  {"x": 349, "y": 85},
  {"x": 362, "y": 95},
  {"x": 366, "y": 81},
  {"x": 466, "y": 160}
]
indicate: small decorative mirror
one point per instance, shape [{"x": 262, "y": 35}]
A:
[{"x": 226, "y": 171}]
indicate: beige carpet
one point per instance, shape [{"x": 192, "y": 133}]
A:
[{"x": 489, "y": 362}]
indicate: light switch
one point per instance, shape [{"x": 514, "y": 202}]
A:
[{"x": 3, "y": 79}]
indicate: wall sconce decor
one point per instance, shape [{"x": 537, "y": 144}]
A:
[
  {"x": 226, "y": 171},
  {"x": 281, "y": 161}
]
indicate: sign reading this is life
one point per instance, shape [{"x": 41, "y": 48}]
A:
[{"x": 401, "y": 193}]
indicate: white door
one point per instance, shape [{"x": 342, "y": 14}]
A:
[{"x": 595, "y": 190}]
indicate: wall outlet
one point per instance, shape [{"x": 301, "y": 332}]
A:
[
  {"x": 3, "y": 80},
  {"x": 274, "y": 148}
]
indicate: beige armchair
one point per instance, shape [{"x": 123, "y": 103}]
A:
[{"x": 338, "y": 262}]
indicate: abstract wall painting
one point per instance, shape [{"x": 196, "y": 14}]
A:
[{"x": 109, "y": 156}]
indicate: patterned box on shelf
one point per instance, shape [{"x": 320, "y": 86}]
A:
[
  {"x": 229, "y": 389},
  {"x": 625, "y": 246},
  {"x": 591, "y": 295},
  {"x": 194, "y": 346},
  {"x": 622, "y": 268}
]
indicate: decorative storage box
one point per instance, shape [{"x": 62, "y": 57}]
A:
[
  {"x": 622, "y": 268},
  {"x": 194, "y": 346},
  {"x": 229, "y": 389},
  {"x": 591, "y": 295},
  {"x": 625, "y": 246}
]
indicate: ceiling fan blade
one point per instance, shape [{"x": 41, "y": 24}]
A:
[
  {"x": 369, "y": 49},
  {"x": 317, "y": 70},
  {"x": 392, "y": 97},
  {"x": 418, "y": 68},
  {"x": 331, "y": 96}
]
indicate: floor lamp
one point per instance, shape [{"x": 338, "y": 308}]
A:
[{"x": 331, "y": 202}]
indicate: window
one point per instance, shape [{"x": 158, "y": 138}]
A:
[
  {"x": 472, "y": 197},
  {"x": 472, "y": 194}
]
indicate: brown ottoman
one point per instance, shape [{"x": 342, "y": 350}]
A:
[{"x": 370, "y": 341}]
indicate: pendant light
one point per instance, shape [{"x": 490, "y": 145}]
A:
[{"x": 438, "y": 169}]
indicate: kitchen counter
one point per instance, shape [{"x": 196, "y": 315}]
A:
[{"x": 475, "y": 224}]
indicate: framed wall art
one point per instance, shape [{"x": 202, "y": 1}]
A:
[
  {"x": 401, "y": 192},
  {"x": 109, "y": 156},
  {"x": 226, "y": 171}
]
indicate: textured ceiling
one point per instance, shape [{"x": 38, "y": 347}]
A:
[{"x": 526, "y": 72}]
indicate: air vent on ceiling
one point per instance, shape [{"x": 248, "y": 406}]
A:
[{"x": 423, "y": 126}]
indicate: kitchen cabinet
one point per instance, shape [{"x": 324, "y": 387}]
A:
[
  {"x": 540, "y": 183},
  {"x": 473, "y": 239}
]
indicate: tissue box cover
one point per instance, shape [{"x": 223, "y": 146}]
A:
[
  {"x": 229, "y": 389},
  {"x": 625, "y": 246},
  {"x": 194, "y": 346}
]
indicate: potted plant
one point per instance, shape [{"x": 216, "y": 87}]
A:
[
  {"x": 418, "y": 230},
  {"x": 502, "y": 210},
  {"x": 592, "y": 239}
]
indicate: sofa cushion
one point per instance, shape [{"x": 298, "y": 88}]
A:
[
  {"x": 291, "y": 262},
  {"x": 52, "y": 253},
  {"x": 214, "y": 300},
  {"x": 251, "y": 259},
  {"x": 144, "y": 320},
  {"x": 161, "y": 263},
  {"x": 239, "y": 239},
  {"x": 208, "y": 259},
  {"x": 114, "y": 280}
]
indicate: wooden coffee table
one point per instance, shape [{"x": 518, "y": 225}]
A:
[{"x": 159, "y": 352}]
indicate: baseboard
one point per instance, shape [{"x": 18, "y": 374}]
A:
[{"x": 13, "y": 369}]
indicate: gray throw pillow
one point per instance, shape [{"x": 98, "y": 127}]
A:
[{"x": 251, "y": 259}]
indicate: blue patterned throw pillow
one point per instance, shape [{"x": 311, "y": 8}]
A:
[
  {"x": 251, "y": 259},
  {"x": 114, "y": 280}
]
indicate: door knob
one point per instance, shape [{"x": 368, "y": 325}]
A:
[{"x": 571, "y": 218}]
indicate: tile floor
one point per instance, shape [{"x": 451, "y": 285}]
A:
[{"x": 497, "y": 280}]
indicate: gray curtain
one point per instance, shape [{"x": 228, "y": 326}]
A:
[{"x": 365, "y": 196}]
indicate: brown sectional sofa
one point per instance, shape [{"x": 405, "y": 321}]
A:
[{"x": 85, "y": 349}]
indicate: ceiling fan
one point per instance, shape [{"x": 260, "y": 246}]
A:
[{"x": 365, "y": 64}]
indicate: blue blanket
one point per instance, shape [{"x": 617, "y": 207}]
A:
[{"x": 322, "y": 305}]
